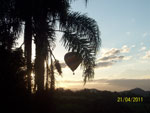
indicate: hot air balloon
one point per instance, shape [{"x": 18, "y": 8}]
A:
[{"x": 73, "y": 60}]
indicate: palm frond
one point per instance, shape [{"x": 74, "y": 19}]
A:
[
  {"x": 82, "y": 36},
  {"x": 58, "y": 67},
  {"x": 10, "y": 25},
  {"x": 83, "y": 26}
]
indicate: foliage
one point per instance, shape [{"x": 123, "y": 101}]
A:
[
  {"x": 82, "y": 36},
  {"x": 12, "y": 73},
  {"x": 41, "y": 18}
]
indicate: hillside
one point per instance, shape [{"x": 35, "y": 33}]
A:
[
  {"x": 82, "y": 101},
  {"x": 137, "y": 91}
]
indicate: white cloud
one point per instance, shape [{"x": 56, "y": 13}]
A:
[
  {"x": 104, "y": 64},
  {"x": 103, "y": 51},
  {"x": 147, "y": 55},
  {"x": 112, "y": 56},
  {"x": 127, "y": 58},
  {"x": 125, "y": 49},
  {"x": 142, "y": 48},
  {"x": 109, "y": 57},
  {"x": 111, "y": 52}
]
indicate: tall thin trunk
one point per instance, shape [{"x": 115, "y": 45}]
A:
[
  {"x": 39, "y": 65},
  {"x": 47, "y": 73},
  {"x": 28, "y": 49},
  {"x": 52, "y": 76},
  {"x": 41, "y": 38}
]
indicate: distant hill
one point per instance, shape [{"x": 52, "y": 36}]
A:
[
  {"x": 135, "y": 91},
  {"x": 138, "y": 91},
  {"x": 98, "y": 101}
]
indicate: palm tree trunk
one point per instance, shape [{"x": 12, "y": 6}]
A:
[
  {"x": 39, "y": 71},
  {"x": 41, "y": 45},
  {"x": 47, "y": 74},
  {"x": 52, "y": 84},
  {"x": 28, "y": 49}
]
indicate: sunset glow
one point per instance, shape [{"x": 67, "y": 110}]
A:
[{"x": 125, "y": 50}]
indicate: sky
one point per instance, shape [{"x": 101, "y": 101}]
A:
[{"x": 123, "y": 60}]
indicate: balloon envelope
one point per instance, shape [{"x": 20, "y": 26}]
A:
[{"x": 73, "y": 60}]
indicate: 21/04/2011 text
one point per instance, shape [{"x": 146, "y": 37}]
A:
[{"x": 130, "y": 99}]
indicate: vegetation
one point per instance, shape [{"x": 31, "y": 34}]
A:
[
  {"x": 94, "y": 101},
  {"x": 39, "y": 20}
]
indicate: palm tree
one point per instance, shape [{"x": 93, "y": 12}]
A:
[
  {"x": 9, "y": 25},
  {"x": 12, "y": 18},
  {"x": 23, "y": 10},
  {"x": 12, "y": 61},
  {"x": 46, "y": 15},
  {"x": 81, "y": 35}
]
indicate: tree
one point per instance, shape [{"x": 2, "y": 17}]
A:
[
  {"x": 10, "y": 27},
  {"x": 80, "y": 34},
  {"x": 12, "y": 79},
  {"x": 12, "y": 18},
  {"x": 23, "y": 9}
]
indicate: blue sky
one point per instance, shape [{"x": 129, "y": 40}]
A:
[
  {"x": 125, "y": 50},
  {"x": 116, "y": 18},
  {"x": 124, "y": 56}
]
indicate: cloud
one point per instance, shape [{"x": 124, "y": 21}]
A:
[
  {"x": 142, "y": 48},
  {"x": 127, "y": 58},
  {"x": 110, "y": 84},
  {"x": 136, "y": 73},
  {"x": 125, "y": 49},
  {"x": 104, "y": 64},
  {"x": 112, "y": 51},
  {"x": 111, "y": 56},
  {"x": 147, "y": 55},
  {"x": 131, "y": 83}
]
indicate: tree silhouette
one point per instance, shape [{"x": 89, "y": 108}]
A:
[
  {"x": 12, "y": 79},
  {"x": 39, "y": 19},
  {"x": 12, "y": 19},
  {"x": 10, "y": 27}
]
